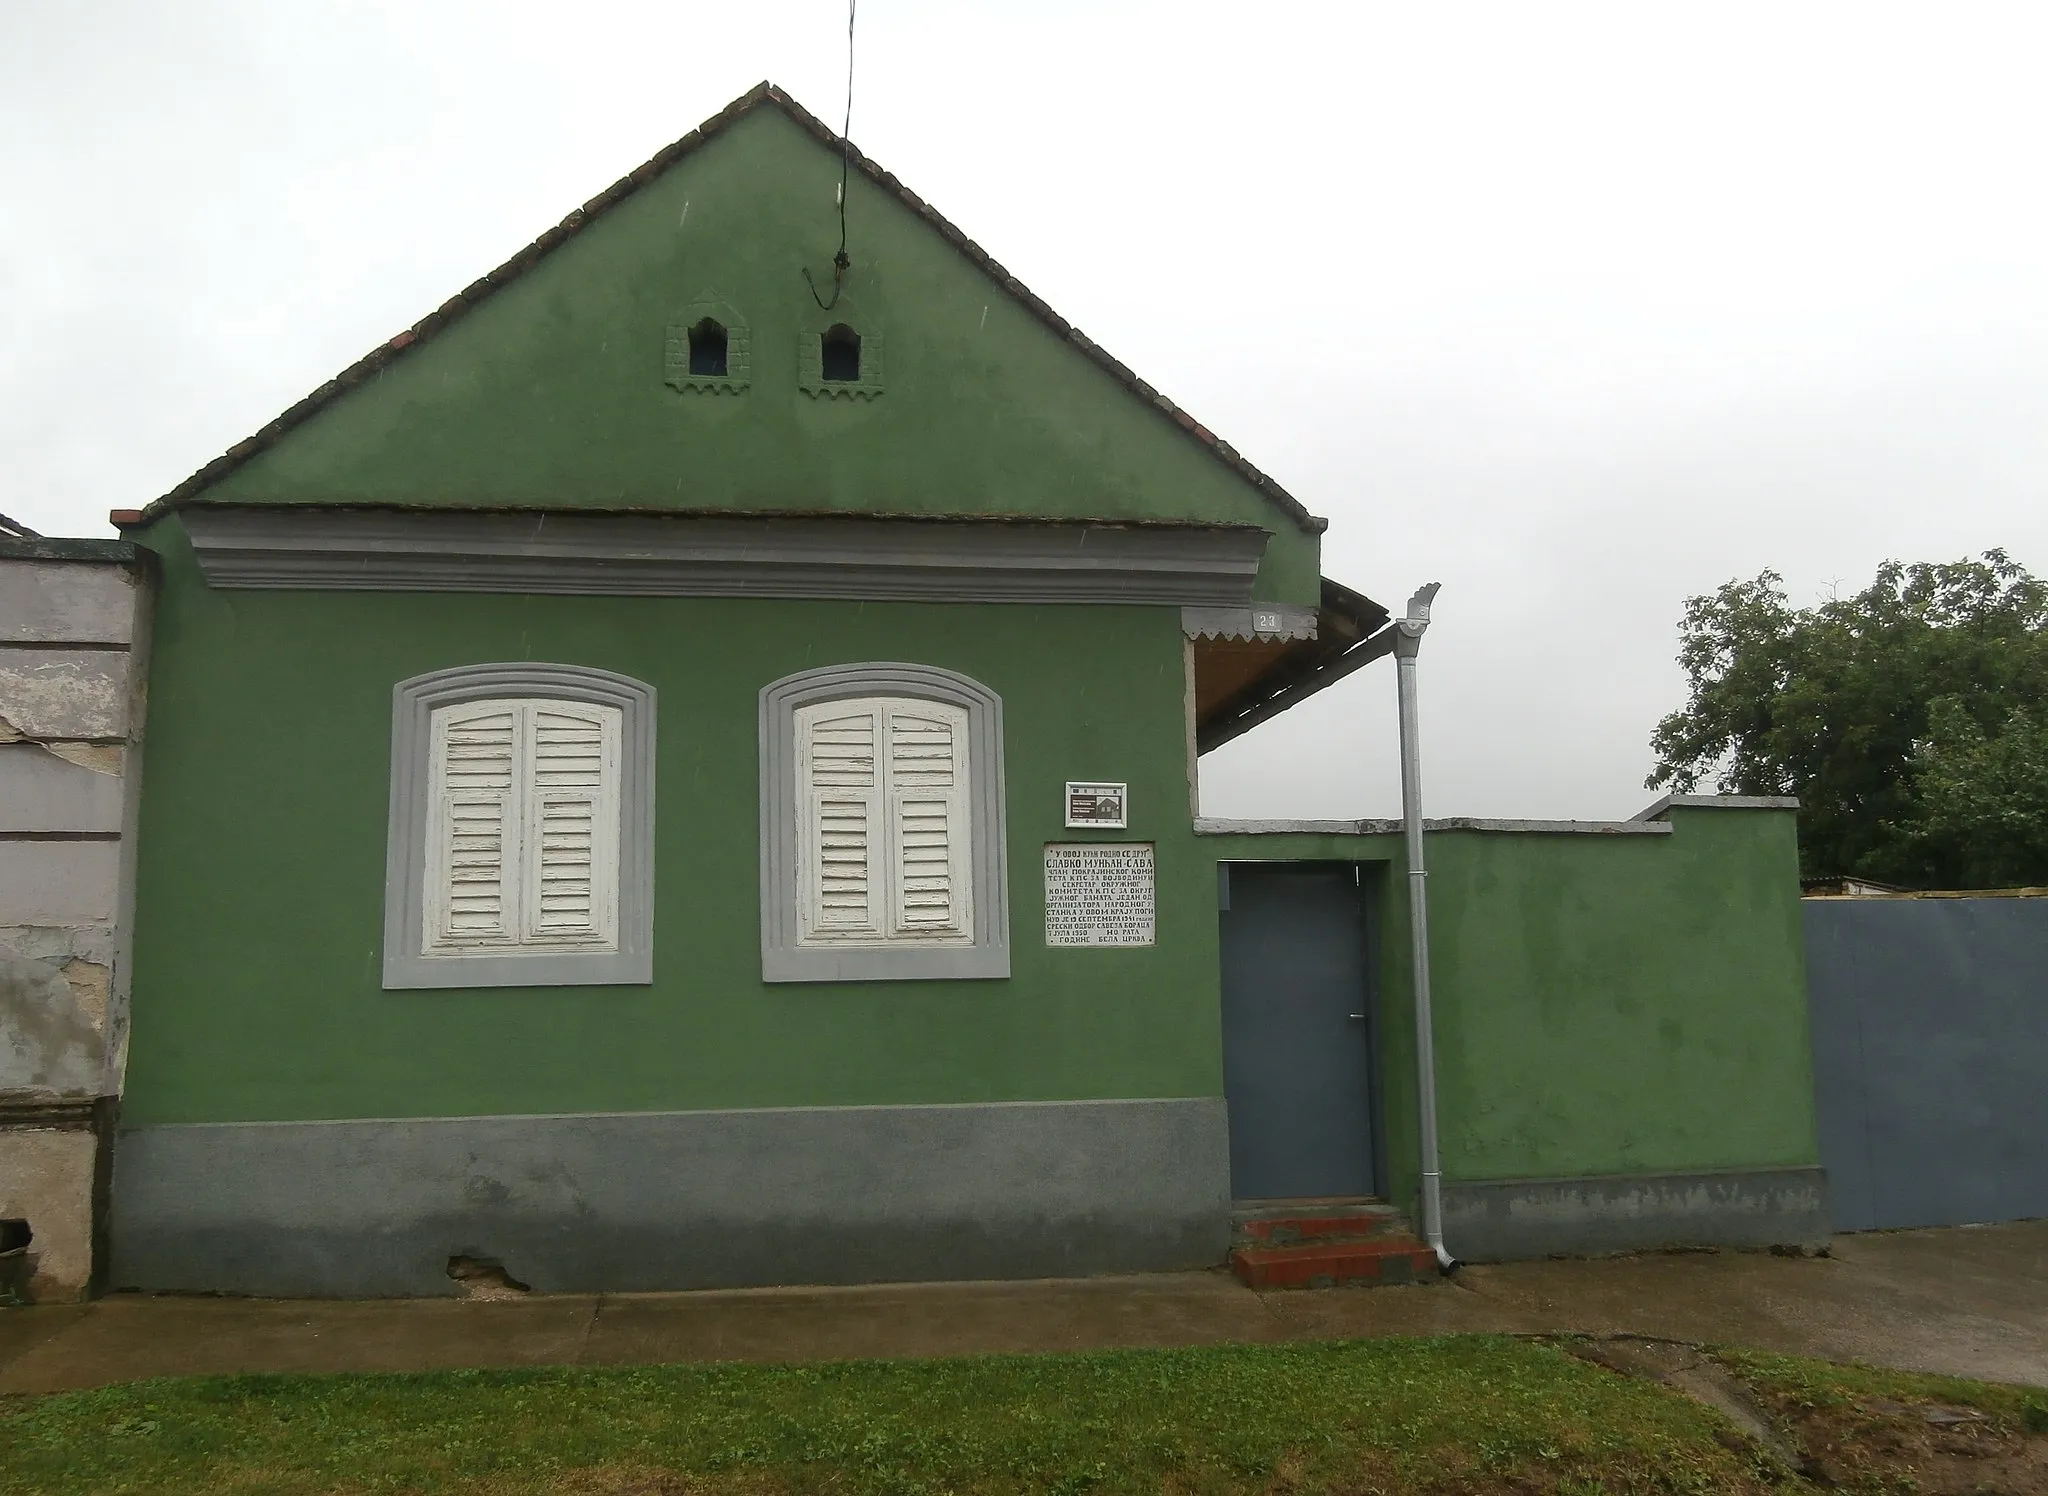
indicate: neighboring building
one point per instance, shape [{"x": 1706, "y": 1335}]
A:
[
  {"x": 74, "y": 624},
  {"x": 1846, "y": 888},
  {"x": 661, "y": 783}
]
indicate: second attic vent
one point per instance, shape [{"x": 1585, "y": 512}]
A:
[
  {"x": 707, "y": 349},
  {"x": 839, "y": 355},
  {"x": 833, "y": 362}
]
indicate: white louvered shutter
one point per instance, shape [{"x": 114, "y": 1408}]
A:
[
  {"x": 472, "y": 828},
  {"x": 571, "y": 843},
  {"x": 930, "y": 893},
  {"x": 840, "y": 791},
  {"x": 883, "y": 853},
  {"x": 523, "y": 828}
]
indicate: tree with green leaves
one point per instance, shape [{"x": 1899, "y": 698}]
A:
[{"x": 1911, "y": 719}]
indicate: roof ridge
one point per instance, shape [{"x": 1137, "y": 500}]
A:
[{"x": 763, "y": 92}]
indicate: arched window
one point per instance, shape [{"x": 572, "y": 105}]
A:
[
  {"x": 707, "y": 349},
  {"x": 839, "y": 354},
  {"x": 519, "y": 850},
  {"x": 882, "y": 827}
]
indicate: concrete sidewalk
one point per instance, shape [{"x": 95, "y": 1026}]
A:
[{"x": 1971, "y": 1301}]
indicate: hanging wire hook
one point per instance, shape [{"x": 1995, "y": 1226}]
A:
[{"x": 840, "y": 262}]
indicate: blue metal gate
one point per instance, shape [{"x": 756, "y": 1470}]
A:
[{"x": 1930, "y": 1058}]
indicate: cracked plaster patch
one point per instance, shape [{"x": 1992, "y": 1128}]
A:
[
  {"x": 49, "y": 1040},
  {"x": 101, "y": 758},
  {"x": 59, "y": 943},
  {"x": 63, "y": 697}
]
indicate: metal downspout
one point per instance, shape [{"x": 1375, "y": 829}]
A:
[{"x": 1406, "y": 643}]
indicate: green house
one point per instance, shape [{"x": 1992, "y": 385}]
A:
[{"x": 679, "y": 770}]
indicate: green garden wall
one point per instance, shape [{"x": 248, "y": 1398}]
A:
[
  {"x": 1621, "y": 1004},
  {"x": 1605, "y": 1004},
  {"x": 261, "y": 870}
]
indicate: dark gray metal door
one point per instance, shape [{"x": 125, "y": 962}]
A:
[{"x": 1297, "y": 1051}]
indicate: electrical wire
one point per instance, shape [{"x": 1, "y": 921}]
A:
[{"x": 840, "y": 262}]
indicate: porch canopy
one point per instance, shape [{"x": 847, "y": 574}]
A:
[{"x": 1251, "y": 664}]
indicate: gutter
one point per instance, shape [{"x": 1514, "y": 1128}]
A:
[{"x": 1407, "y": 642}]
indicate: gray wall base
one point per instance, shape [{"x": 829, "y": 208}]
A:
[
  {"x": 1508, "y": 1219},
  {"x": 669, "y": 1200}
]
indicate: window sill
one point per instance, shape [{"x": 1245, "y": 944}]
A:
[
  {"x": 549, "y": 969},
  {"x": 884, "y": 964}
]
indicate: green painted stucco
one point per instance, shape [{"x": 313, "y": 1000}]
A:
[
  {"x": 550, "y": 393},
  {"x": 1604, "y": 1004},
  {"x": 261, "y": 868},
  {"x": 1624, "y": 1004}
]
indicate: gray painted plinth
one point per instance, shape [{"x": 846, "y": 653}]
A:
[
  {"x": 669, "y": 1200},
  {"x": 1505, "y": 1220}
]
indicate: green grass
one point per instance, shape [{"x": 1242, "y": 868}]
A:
[
  {"x": 1471, "y": 1413},
  {"x": 1827, "y": 1385}
]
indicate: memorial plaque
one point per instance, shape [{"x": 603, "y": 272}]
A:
[{"x": 1098, "y": 893}]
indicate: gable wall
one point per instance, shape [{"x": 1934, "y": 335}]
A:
[{"x": 551, "y": 392}]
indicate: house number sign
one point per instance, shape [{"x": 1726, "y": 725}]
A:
[{"x": 1098, "y": 893}]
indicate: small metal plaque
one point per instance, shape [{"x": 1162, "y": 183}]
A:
[
  {"x": 1093, "y": 803},
  {"x": 1099, "y": 893}
]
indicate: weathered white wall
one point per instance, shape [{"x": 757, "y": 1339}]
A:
[
  {"x": 46, "y": 1176},
  {"x": 73, "y": 644}
]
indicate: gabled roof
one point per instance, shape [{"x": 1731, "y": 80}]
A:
[{"x": 761, "y": 95}]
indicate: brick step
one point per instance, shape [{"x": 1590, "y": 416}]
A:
[
  {"x": 1311, "y": 1221},
  {"x": 1391, "y": 1258}
]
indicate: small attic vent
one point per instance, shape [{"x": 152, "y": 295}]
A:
[
  {"x": 839, "y": 355},
  {"x": 838, "y": 363},
  {"x": 707, "y": 349}
]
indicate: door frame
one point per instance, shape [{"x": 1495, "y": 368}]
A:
[{"x": 1369, "y": 880}]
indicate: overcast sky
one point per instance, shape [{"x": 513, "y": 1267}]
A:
[{"x": 1577, "y": 309}]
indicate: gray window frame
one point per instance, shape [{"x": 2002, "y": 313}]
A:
[
  {"x": 413, "y": 703},
  {"x": 783, "y": 958}
]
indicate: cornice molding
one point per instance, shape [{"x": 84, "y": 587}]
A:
[{"x": 626, "y": 555}]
